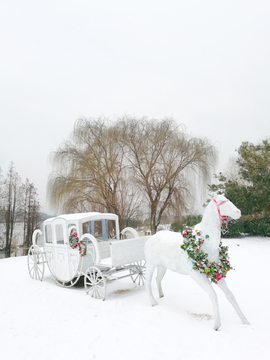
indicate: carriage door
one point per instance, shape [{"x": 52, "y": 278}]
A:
[{"x": 61, "y": 247}]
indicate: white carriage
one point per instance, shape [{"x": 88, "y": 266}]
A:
[{"x": 107, "y": 256}]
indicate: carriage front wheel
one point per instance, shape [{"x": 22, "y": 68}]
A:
[
  {"x": 95, "y": 283},
  {"x": 137, "y": 272},
  {"x": 35, "y": 262}
]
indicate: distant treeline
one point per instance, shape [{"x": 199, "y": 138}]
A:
[{"x": 19, "y": 203}]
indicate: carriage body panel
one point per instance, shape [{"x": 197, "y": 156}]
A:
[{"x": 128, "y": 251}]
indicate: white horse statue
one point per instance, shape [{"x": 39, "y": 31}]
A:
[{"x": 163, "y": 250}]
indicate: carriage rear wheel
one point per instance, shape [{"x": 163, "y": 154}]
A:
[
  {"x": 35, "y": 262},
  {"x": 129, "y": 233},
  {"x": 95, "y": 283},
  {"x": 137, "y": 272}
]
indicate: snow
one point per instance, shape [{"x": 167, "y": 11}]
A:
[{"x": 41, "y": 320}]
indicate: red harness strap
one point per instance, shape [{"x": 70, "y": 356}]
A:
[{"x": 226, "y": 217}]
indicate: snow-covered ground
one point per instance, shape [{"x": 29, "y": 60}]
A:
[{"x": 42, "y": 321}]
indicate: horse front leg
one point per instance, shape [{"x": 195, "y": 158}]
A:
[
  {"x": 206, "y": 285},
  {"x": 230, "y": 297},
  {"x": 148, "y": 281},
  {"x": 161, "y": 270}
]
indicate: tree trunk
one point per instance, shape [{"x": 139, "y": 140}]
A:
[{"x": 153, "y": 223}]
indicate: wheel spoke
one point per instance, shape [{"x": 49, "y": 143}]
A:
[
  {"x": 99, "y": 281},
  {"x": 95, "y": 293},
  {"x": 39, "y": 273},
  {"x": 35, "y": 273},
  {"x": 88, "y": 283},
  {"x": 92, "y": 277},
  {"x": 100, "y": 291}
]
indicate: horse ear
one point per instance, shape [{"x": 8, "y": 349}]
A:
[{"x": 215, "y": 195}]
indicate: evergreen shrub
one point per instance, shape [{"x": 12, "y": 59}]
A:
[{"x": 248, "y": 225}]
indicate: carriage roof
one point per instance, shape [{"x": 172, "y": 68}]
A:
[{"x": 84, "y": 217}]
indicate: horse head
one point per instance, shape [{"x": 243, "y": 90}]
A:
[{"x": 226, "y": 208}]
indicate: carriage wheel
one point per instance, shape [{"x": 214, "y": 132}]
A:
[
  {"x": 137, "y": 272},
  {"x": 95, "y": 283},
  {"x": 133, "y": 232},
  {"x": 35, "y": 262}
]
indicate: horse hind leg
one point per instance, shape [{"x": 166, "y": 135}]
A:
[
  {"x": 161, "y": 270},
  {"x": 148, "y": 280},
  {"x": 230, "y": 297}
]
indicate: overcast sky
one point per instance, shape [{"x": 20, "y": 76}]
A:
[{"x": 205, "y": 63}]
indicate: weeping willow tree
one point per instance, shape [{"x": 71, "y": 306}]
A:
[
  {"x": 90, "y": 173},
  {"x": 128, "y": 165},
  {"x": 166, "y": 163}
]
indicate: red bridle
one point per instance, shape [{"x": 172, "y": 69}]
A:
[{"x": 220, "y": 217}]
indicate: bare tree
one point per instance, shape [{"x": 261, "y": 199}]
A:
[
  {"x": 11, "y": 192},
  {"x": 90, "y": 173},
  {"x": 30, "y": 213},
  {"x": 164, "y": 160},
  {"x": 19, "y": 203}
]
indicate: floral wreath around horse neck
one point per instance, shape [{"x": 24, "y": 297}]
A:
[
  {"x": 214, "y": 271},
  {"x": 75, "y": 243}
]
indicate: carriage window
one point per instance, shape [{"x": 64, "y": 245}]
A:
[
  {"x": 101, "y": 229},
  {"x": 59, "y": 234},
  {"x": 98, "y": 230},
  {"x": 85, "y": 228},
  {"x": 111, "y": 229},
  {"x": 94, "y": 227},
  {"x": 48, "y": 234}
]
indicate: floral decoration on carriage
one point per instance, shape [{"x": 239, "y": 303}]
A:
[{"x": 76, "y": 243}]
